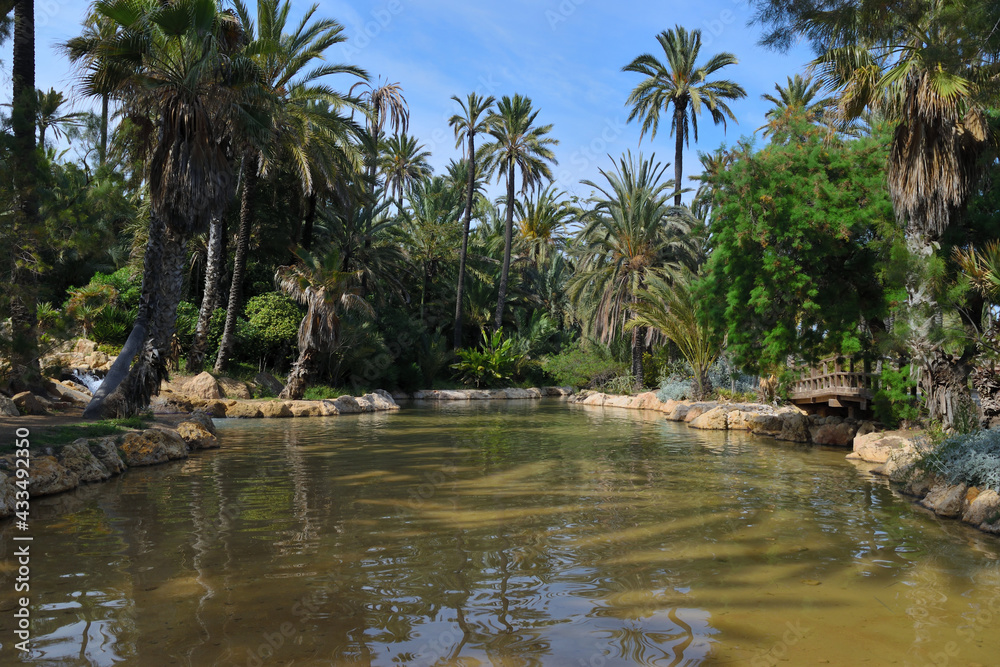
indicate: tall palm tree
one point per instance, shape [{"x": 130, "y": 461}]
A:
[
  {"x": 179, "y": 64},
  {"x": 96, "y": 27},
  {"x": 21, "y": 259},
  {"x": 632, "y": 234},
  {"x": 517, "y": 144},
  {"x": 712, "y": 164},
  {"x": 542, "y": 223},
  {"x": 319, "y": 284},
  {"x": 801, "y": 93},
  {"x": 473, "y": 120},
  {"x": 403, "y": 162},
  {"x": 293, "y": 77},
  {"x": 679, "y": 82},
  {"x": 925, "y": 72},
  {"x": 384, "y": 103}
]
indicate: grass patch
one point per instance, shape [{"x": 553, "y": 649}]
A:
[
  {"x": 64, "y": 435},
  {"x": 321, "y": 392}
]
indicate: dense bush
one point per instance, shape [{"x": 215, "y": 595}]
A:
[
  {"x": 580, "y": 366},
  {"x": 894, "y": 401},
  {"x": 492, "y": 364},
  {"x": 271, "y": 329}
]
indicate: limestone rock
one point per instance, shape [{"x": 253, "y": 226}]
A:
[
  {"x": 770, "y": 425},
  {"x": 305, "y": 408},
  {"x": 230, "y": 388},
  {"x": 29, "y": 404},
  {"x": 328, "y": 408},
  {"x": 679, "y": 413},
  {"x": 78, "y": 459},
  {"x": 7, "y": 495},
  {"x": 84, "y": 347},
  {"x": 982, "y": 508},
  {"x": 8, "y": 408},
  {"x": 597, "y": 399},
  {"x": 945, "y": 499},
  {"x": 347, "y": 405},
  {"x": 669, "y": 406},
  {"x": 714, "y": 420},
  {"x": 794, "y": 427},
  {"x": 554, "y": 391},
  {"x": 45, "y": 475},
  {"x": 214, "y": 408},
  {"x": 152, "y": 446},
  {"x": 63, "y": 393},
  {"x": 381, "y": 400},
  {"x": 738, "y": 420},
  {"x": 879, "y": 447},
  {"x": 244, "y": 410},
  {"x": 840, "y": 434},
  {"x": 205, "y": 419},
  {"x": 696, "y": 410},
  {"x": 203, "y": 385},
  {"x": 274, "y": 409},
  {"x": 268, "y": 382},
  {"x": 105, "y": 451},
  {"x": 616, "y": 401},
  {"x": 197, "y": 436},
  {"x": 920, "y": 484}
]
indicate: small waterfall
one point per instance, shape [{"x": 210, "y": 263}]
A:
[{"x": 88, "y": 380}]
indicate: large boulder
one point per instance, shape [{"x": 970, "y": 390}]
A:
[
  {"x": 647, "y": 400},
  {"x": 945, "y": 499},
  {"x": 596, "y": 399},
  {"x": 152, "y": 446},
  {"x": 794, "y": 427},
  {"x": 268, "y": 382},
  {"x": 715, "y": 419},
  {"x": 84, "y": 347},
  {"x": 197, "y": 436},
  {"x": 836, "y": 434},
  {"x": 738, "y": 420},
  {"x": 46, "y": 475},
  {"x": 230, "y": 388},
  {"x": 982, "y": 508},
  {"x": 698, "y": 409},
  {"x": 29, "y": 404},
  {"x": 244, "y": 409},
  {"x": 770, "y": 425},
  {"x": 305, "y": 408},
  {"x": 106, "y": 451},
  {"x": 79, "y": 460},
  {"x": 274, "y": 409},
  {"x": 680, "y": 412},
  {"x": 61, "y": 392},
  {"x": 8, "y": 408},
  {"x": 203, "y": 385},
  {"x": 380, "y": 400},
  {"x": 205, "y": 419},
  {"x": 556, "y": 391},
  {"x": 328, "y": 408},
  {"x": 878, "y": 447},
  {"x": 347, "y": 405}
]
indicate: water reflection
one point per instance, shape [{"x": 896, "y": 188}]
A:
[{"x": 520, "y": 534}]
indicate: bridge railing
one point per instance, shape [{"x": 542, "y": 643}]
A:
[{"x": 835, "y": 377}]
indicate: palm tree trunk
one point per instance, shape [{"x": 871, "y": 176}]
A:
[
  {"x": 248, "y": 169},
  {"x": 310, "y": 219},
  {"x": 637, "y": 348},
  {"x": 508, "y": 241},
  {"x": 679, "y": 112},
  {"x": 24, "y": 355},
  {"x": 210, "y": 301},
  {"x": 295, "y": 385},
  {"x": 125, "y": 391},
  {"x": 465, "y": 242},
  {"x": 104, "y": 128}
]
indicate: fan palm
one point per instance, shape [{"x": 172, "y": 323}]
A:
[
  {"x": 180, "y": 65},
  {"x": 473, "y": 120},
  {"x": 632, "y": 234},
  {"x": 517, "y": 144},
  {"x": 319, "y": 284},
  {"x": 300, "y": 131},
  {"x": 679, "y": 82}
]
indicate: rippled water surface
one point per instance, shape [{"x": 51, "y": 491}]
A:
[{"x": 504, "y": 533}]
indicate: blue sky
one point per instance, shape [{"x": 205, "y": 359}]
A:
[{"x": 566, "y": 55}]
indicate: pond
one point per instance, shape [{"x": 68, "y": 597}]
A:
[{"x": 500, "y": 533}]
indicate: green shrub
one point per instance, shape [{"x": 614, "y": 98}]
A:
[
  {"x": 269, "y": 333},
  {"x": 113, "y": 326},
  {"x": 972, "y": 458},
  {"x": 321, "y": 392},
  {"x": 893, "y": 401},
  {"x": 580, "y": 366},
  {"x": 492, "y": 364}
]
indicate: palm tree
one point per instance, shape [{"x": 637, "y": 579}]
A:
[
  {"x": 672, "y": 309},
  {"x": 924, "y": 72},
  {"x": 179, "y": 64},
  {"x": 320, "y": 284},
  {"x": 403, "y": 162},
  {"x": 50, "y": 115},
  {"x": 292, "y": 78},
  {"x": 542, "y": 222},
  {"x": 632, "y": 234},
  {"x": 384, "y": 103},
  {"x": 712, "y": 164},
  {"x": 679, "y": 82},
  {"x": 800, "y": 93},
  {"x": 473, "y": 120},
  {"x": 517, "y": 144}
]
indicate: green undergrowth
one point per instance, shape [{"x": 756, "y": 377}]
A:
[{"x": 55, "y": 436}]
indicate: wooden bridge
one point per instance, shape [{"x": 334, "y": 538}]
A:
[{"x": 833, "y": 385}]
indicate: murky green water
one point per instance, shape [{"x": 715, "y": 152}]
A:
[{"x": 518, "y": 533}]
